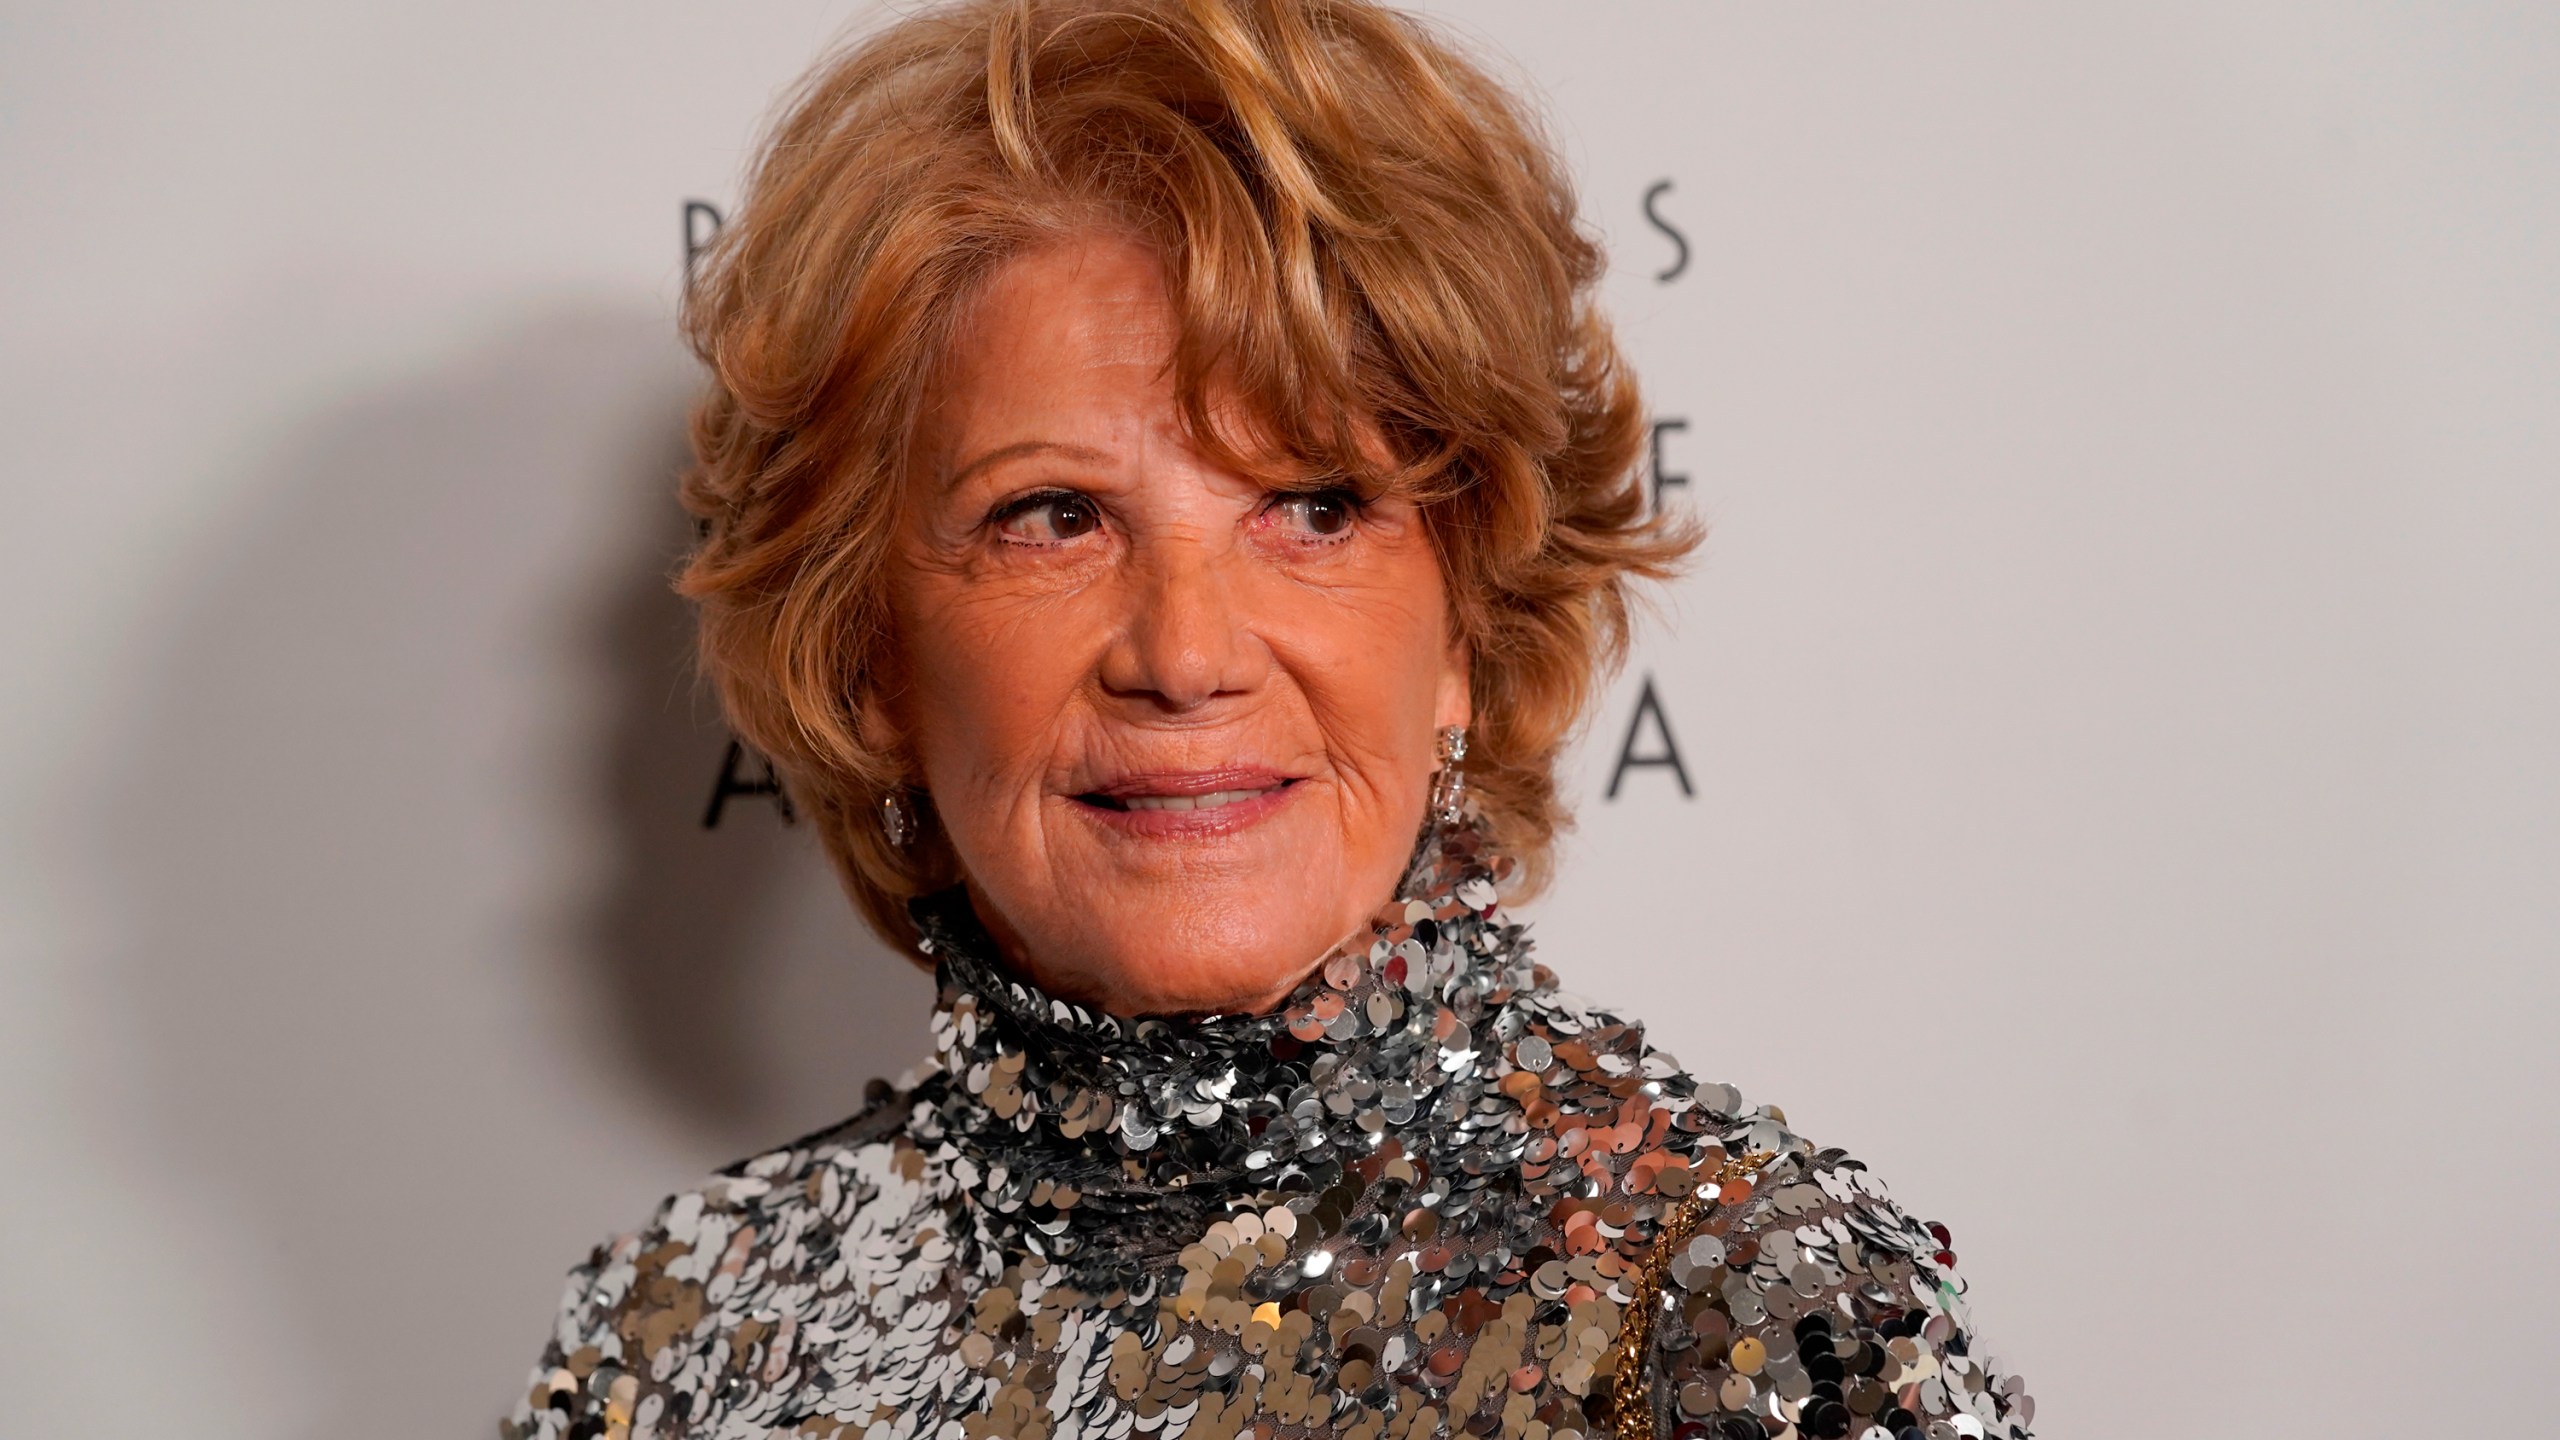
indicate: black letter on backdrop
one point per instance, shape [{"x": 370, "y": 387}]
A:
[
  {"x": 1628, "y": 759},
  {"x": 1664, "y": 479},
  {"x": 734, "y": 783},
  {"x": 697, "y": 239},
  {"x": 1678, "y": 240}
]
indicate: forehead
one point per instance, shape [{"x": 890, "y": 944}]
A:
[
  {"x": 1072, "y": 345},
  {"x": 1058, "y": 330}
]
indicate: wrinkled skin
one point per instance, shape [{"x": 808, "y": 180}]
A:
[{"x": 1099, "y": 625}]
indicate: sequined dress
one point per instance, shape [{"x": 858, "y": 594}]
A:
[{"x": 1431, "y": 1195}]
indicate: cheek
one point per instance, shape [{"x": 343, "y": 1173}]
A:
[
  {"x": 1370, "y": 656},
  {"x": 990, "y": 680}
]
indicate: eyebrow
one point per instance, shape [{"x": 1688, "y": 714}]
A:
[{"x": 1018, "y": 450}]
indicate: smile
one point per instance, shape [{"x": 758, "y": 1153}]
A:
[{"x": 1192, "y": 804}]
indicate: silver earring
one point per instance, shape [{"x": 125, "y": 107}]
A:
[
  {"x": 1449, "y": 787},
  {"x": 897, "y": 820}
]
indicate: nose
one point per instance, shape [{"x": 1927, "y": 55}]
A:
[{"x": 1188, "y": 641}]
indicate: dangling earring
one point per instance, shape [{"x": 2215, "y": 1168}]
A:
[
  {"x": 1449, "y": 787},
  {"x": 897, "y": 820}
]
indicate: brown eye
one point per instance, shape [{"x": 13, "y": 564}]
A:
[
  {"x": 1325, "y": 512},
  {"x": 1048, "y": 519}
]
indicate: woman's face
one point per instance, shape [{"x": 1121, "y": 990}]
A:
[{"x": 1179, "y": 726}]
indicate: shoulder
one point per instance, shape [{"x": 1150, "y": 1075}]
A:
[
  {"x": 652, "y": 1321},
  {"x": 1823, "y": 1293},
  {"x": 1786, "y": 1284}
]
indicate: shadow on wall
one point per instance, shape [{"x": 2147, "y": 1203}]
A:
[
  {"x": 711, "y": 877},
  {"x": 440, "y": 977}
]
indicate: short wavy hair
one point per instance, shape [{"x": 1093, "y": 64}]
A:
[{"x": 1365, "y": 239}]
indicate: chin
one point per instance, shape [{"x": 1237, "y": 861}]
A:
[{"x": 1188, "y": 962}]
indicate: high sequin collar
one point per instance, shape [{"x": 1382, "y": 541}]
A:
[{"x": 1068, "y": 1124}]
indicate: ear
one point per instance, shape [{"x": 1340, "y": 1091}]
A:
[{"x": 1454, "y": 702}]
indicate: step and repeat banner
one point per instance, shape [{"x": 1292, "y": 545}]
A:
[{"x": 2099, "y": 770}]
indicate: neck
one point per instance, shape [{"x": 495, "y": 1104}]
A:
[{"x": 1081, "y": 1126}]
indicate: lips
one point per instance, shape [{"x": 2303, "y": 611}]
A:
[{"x": 1187, "y": 803}]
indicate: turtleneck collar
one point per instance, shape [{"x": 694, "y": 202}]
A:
[{"x": 1068, "y": 1127}]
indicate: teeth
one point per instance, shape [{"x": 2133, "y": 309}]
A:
[{"x": 1210, "y": 801}]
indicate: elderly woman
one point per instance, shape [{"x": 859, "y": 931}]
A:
[{"x": 1166, "y": 496}]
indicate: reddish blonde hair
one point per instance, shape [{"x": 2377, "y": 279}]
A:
[{"x": 1364, "y": 236}]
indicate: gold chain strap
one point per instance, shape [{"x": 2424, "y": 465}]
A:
[{"x": 1630, "y": 1400}]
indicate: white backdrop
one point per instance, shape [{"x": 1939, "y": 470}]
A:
[{"x": 2121, "y": 695}]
